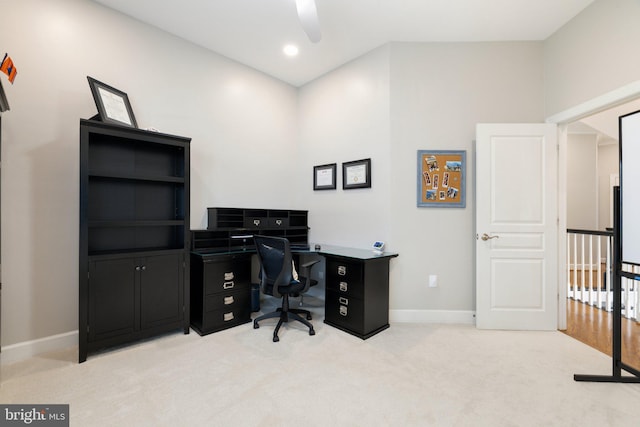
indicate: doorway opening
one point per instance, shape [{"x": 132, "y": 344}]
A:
[{"x": 591, "y": 147}]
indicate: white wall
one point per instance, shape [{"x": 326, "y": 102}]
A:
[
  {"x": 593, "y": 54},
  {"x": 582, "y": 182},
  {"x": 243, "y": 126}
]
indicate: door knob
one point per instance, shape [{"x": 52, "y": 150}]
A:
[{"x": 486, "y": 237}]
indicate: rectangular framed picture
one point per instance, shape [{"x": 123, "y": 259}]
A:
[
  {"x": 324, "y": 177},
  {"x": 441, "y": 178},
  {"x": 356, "y": 174},
  {"x": 113, "y": 105}
]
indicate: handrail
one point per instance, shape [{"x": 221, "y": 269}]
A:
[{"x": 592, "y": 232}]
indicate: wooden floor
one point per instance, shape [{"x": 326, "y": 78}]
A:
[{"x": 593, "y": 327}]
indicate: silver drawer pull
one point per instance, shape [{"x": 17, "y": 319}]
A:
[
  {"x": 343, "y": 300},
  {"x": 228, "y": 300},
  {"x": 343, "y": 286},
  {"x": 342, "y": 270},
  {"x": 256, "y": 222},
  {"x": 278, "y": 222},
  {"x": 228, "y": 285},
  {"x": 229, "y": 276},
  {"x": 343, "y": 310},
  {"x": 228, "y": 316}
]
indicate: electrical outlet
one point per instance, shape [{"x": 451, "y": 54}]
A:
[{"x": 433, "y": 281}]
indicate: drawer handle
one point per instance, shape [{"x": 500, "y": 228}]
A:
[
  {"x": 229, "y": 276},
  {"x": 278, "y": 222},
  {"x": 343, "y": 300},
  {"x": 342, "y": 270},
  {"x": 228, "y": 316},
  {"x": 256, "y": 222},
  {"x": 228, "y": 285},
  {"x": 343, "y": 310},
  {"x": 343, "y": 286},
  {"x": 228, "y": 300}
]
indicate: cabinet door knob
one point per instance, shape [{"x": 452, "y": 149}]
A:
[
  {"x": 137, "y": 268},
  {"x": 144, "y": 267}
]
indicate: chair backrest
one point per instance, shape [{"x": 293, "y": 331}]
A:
[{"x": 274, "y": 254}]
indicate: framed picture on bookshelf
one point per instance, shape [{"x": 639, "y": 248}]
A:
[{"x": 113, "y": 104}]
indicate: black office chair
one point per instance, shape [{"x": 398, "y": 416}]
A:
[{"x": 276, "y": 279}]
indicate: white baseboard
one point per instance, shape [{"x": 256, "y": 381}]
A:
[
  {"x": 25, "y": 350},
  {"x": 433, "y": 316}
]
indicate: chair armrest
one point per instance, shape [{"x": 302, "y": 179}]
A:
[
  {"x": 305, "y": 273},
  {"x": 308, "y": 265}
]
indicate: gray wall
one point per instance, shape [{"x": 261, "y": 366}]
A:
[
  {"x": 439, "y": 92},
  {"x": 593, "y": 54},
  {"x": 582, "y": 181},
  {"x": 243, "y": 126},
  {"x": 252, "y": 133}
]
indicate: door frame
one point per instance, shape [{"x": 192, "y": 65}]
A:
[{"x": 562, "y": 119}]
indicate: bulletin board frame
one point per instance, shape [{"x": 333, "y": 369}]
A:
[{"x": 441, "y": 179}]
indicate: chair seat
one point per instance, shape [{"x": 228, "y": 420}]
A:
[{"x": 292, "y": 288}]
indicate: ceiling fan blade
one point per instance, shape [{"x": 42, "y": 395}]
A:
[{"x": 308, "y": 15}]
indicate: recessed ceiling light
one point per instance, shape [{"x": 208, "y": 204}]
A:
[{"x": 290, "y": 50}]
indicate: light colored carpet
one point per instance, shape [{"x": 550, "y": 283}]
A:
[{"x": 408, "y": 375}]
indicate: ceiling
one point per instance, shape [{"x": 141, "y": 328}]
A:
[{"x": 253, "y": 32}]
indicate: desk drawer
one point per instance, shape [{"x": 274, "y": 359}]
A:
[
  {"x": 347, "y": 312},
  {"x": 218, "y": 320},
  {"x": 232, "y": 273},
  {"x": 345, "y": 278},
  {"x": 230, "y": 300}
]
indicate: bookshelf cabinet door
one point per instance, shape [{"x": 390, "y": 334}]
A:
[
  {"x": 161, "y": 290},
  {"x": 112, "y": 298}
]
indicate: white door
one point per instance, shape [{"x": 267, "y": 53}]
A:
[{"x": 516, "y": 226}]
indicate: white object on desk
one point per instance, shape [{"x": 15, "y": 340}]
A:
[{"x": 378, "y": 247}]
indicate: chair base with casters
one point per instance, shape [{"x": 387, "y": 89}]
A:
[
  {"x": 276, "y": 279},
  {"x": 285, "y": 314}
]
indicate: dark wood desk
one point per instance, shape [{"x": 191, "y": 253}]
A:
[{"x": 356, "y": 292}]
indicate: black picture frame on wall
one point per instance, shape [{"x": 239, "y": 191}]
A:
[
  {"x": 356, "y": 174},
  {"x": 324, "y": 177},
  {"x": 113, "y": 104}
]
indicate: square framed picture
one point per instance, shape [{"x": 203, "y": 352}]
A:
[
  {"x": 441, "y": 178},
  {"x": 113, "y": 104},
  {"x": 356, "y": 174},
  {"x": 324, "y": 177}
]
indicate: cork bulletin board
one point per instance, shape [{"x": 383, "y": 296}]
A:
[{"x": 441, "y": 178}]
